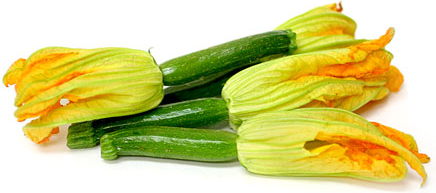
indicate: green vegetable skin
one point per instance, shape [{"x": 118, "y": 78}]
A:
[
  {"x": 211, "y": 89},
  {"x": 170, "y": 142},
  {"x": 206, "y": 65},
  {"x": 193, "y": 114}
]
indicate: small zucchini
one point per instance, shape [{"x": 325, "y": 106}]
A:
[
  {"x": 194, "y": 114},
  {"x": 206, "y": 65},
  {"x": 170, "y": 142},
  {"x": 211, "y": 89}
]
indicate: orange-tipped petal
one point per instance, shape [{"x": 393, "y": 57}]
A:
[
  {"x": 40, "y": 135},
  {"x": 337, "y": 7},
  {"x": 394, "y": 79},
  {"x": 373, "y": 45},
  {"x": 376, "y": 63},
  {"x": 403, "y": 139}
]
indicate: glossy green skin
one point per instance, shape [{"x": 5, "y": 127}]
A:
[
  {"x": 194, "y": 114},
  {"x": 219, "y": 60},
  {"x": 82, "y": 135},
  {"x": 170, "y": 142},
  {"x": 211, "y": 89}
]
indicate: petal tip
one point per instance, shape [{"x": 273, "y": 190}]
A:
[
  {"x": 14, "y": 72},
  {"x": 40, "y": 135},
  {"x": 337, "y": 7},
  {"x": 373, "y": 45}
]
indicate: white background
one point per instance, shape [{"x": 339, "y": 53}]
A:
[{"x": 179, "y": 27}]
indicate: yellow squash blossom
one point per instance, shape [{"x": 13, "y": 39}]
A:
[
  {"x": 322, "y": 28},
  {"x": 321, "y": 21},
  {"x": 344, "y": 78},
  {"x": 326, "y": 142},
  {"x": 99, "y": 83}
]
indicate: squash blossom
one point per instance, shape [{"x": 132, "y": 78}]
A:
[
  {"x": 99, "y": 83},
  {"x": 321, "y": 21},
  {"x": 322, "y": 28},
  {"x": 326, "y": 142},
  {"x": 346, "y": 78}
]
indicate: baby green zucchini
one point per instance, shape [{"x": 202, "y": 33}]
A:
[
  {"x": 170, "y": 142},
  {"x": 193, "y": 114},
  {"x": 211, "y": 89},
  {"x": 206, "y": 65}
]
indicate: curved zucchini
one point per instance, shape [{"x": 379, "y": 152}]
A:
[
  {"x": 203, "y": 66},
  {"x": 194, "y": 114},
  {"x": 170, "y": 142}
]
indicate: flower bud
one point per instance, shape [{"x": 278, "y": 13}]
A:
[
  {"x": 321, "y": 21},
  {"x": 326, "y": 142},
  {"x": 346, "y": 78},
  {"x": 99, "y": 83},
  {"x": 322, "y": 28}
]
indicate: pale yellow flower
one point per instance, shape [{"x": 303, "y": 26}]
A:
[{"x": 99, "y": 83}]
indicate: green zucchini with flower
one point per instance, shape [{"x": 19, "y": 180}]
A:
[
  {"x": 113, "y": 82},
  {"x": 333, "y": 30},
  {"x": 327, "y": 142},
  {"x": 88, "y": 77},
  {"x": 321, "y": 28},
  {"x": 345, "y": 78},
  {"x": 274, "y": 105}
]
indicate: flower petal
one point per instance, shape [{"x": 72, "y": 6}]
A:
[
  {"x": 403, "y": 139},
  {"x": 321, "y": 21},
  {"x": 318, "y": 43},
  {"x": 14, "y": 72},
  {"x": 394, "y": 79}
]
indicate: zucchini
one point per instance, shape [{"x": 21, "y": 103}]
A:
[
  {"x": 211, "y": 89},
  {"x": 206, "y": 65},
  {"x": 193, "y": 113},
  {"x": 170, "y": 142}
]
